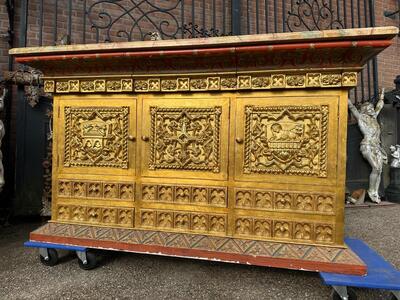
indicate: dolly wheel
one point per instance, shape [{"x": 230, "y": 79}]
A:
[
  {"x": 90, "y": 263},
  {"x": 350, "y": 292},
  {"x": 51, "y": 259}
]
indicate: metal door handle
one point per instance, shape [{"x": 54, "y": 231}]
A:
[
  {"x": 239, "y": 140},
  {"x": 131, "y": 138},
  {"x": 145, "y": 138}
]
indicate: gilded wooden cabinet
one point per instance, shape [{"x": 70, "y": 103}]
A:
[
  {"x": 235, "y": 164},
  {"x": 228, "y": 148}
]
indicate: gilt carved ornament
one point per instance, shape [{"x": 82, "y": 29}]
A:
[
  {"x": 96, "y": 137},
  {"x": 196, "y": 83},
  {"x": 288, "y": 140},
  {"x": 185, "y": 138}
]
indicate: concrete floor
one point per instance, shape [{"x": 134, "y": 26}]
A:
[{"x": 132, "y": 276}]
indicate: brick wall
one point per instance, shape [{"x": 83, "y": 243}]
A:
[
  {"x": 389, "y": 60},
  {"x": 3, "y": 39}
]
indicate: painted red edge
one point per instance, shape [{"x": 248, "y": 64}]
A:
[
  {"x": 211, "y": 51},
  {"x": 295, "y": 264}
]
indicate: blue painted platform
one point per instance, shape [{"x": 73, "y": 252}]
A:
[
  {"x": 381, "y": 274},
  {"x": 53, "y": 246}
]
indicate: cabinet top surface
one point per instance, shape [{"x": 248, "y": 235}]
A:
[
  {"x": 355, "y": 34},
  {"x": 345, "y": 49}
]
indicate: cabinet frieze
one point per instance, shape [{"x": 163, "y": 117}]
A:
[{"x": 197, "y": 83}]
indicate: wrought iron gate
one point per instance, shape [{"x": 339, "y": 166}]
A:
[{"x": 48, "y": 22}]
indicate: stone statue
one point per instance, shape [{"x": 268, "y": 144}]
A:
[
  {"x": 2, "y": 133},
  {"x": 395, "y": 153},
  {"x": 371, "y": 149}
]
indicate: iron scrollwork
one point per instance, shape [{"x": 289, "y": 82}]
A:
[
  {"x": 144, "y": 17},
  {"x": 192, "y": 31},
  {"x": 312, "y": 15}
]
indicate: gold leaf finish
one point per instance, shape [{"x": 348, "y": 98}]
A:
[
  {"x": 96, "y": 137},
  {"x": 282, "y": 200},
  {"x": 95, "y": 215},
  {"x": 184, "y": 221},
  {"x": 288, "y": 140},
  {"x": 185, "y": 138},
  {"x": 224, "y": 165},
  {"x": 194, "y": 195},
  {"x": 176, "y": 83}
]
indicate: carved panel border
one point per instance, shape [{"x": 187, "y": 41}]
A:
[
  {"x": 107, "y": 216},
  {"x": 96, "y": 189},
  {"x": 185, "y": 138},
  {"x": 321, "y": 203},
  {"x": 184, "y": 221},
  {"x": 224, "y": 82},
  {"x": 104, "y": 127},
  {"x": 185, "y": 194},
  {"x": 313, "y": 232},
  {"x": 255, "y": 248},
  {"x": 284, "y": 151}
]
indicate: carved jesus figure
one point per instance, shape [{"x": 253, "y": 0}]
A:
[{"x": 371, "y": 149}]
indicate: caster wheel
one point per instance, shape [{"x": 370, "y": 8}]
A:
[
  {"x": 91, "y": 261},
  {"x": 350, "y": 292},
  {"x": 52, "y": 259}
]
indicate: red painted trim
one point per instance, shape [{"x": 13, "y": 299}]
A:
[
  {"x": 159, "y": 53},
  {"x": 210, "y": 51},
  {"x": 325, "y": 45},
  {"x": 295, "y": 264}
]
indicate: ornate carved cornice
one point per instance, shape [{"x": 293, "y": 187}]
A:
[{"x": 196, "y": 83}]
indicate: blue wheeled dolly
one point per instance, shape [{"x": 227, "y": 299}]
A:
[
  {"x": 381, "y": 274},
  {"x": 49, "y": 256}
]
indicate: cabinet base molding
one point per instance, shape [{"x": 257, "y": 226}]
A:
[{"x": 226, "y": 249}]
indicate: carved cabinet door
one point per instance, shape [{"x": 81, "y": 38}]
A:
[
  {"x": 96, "y": 135},
  {"x": 94, "y": 160},
  {"x": 185, "y": 137},
  {"x": 287, "y": 138}
]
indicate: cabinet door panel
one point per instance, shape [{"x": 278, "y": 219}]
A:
[
  {"x": 287, "y": 139},
  {"x": 96, "y": 135},
  {"x": 185, "y": 137}
]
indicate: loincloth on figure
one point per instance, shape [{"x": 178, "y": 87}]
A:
[{"x": 376, "y": 150}]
